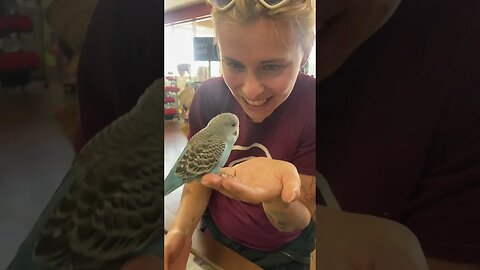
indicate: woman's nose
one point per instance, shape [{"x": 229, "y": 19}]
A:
[{"x": 252, "y": 86}]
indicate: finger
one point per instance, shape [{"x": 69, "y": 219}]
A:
[
  {"x": 165, "y": 260},
  {"x": 241, "y": 191},
  {"x": 182, "y": 258},
  {"x": 173, "y": 246},
  {"x": 176, "y": 251},
  {"x": 291, "y": 185},
  {"x": 212, "y": 180},
  {"x": 168, "y": 258}
]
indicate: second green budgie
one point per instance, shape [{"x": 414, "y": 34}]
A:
[{"x": 109, "y": 207}]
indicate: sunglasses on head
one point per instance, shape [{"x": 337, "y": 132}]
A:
[{"x": 226, "y": 4}]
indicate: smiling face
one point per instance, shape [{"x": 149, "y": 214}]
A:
[{"x": 259, "y": 66}]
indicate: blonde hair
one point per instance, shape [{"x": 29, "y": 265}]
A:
[{"x": 297, "y": 15}]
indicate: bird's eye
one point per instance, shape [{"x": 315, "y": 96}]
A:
[{"x": 234, "y": 124}]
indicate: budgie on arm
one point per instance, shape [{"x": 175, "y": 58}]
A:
[
  {"x": 109, "y": 206},
  {"x": 206, "y": 152}
]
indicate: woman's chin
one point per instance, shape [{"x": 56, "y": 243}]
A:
[{"x": 257, "y": 118}]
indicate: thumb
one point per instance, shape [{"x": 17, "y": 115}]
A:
[
  {"x": 212, "y": 180},
  {"x": 291, "y": 185},
  {"x": 181, "y": 259},
  {"x": 173, "y": 247}
]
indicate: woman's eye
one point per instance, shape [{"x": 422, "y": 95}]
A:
[
  {"x": 234, "y": 65},
  {"x": 272, "y": 67}
]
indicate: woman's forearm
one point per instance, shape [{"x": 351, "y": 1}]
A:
[{"x": 194, "y": 201}]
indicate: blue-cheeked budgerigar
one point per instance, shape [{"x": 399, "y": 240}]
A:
[
  {"x": 206, "y": 152},
  {"x": 109, "y": 206}
]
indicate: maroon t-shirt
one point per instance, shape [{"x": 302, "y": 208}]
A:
[
  {"x": 287, "y": 134},
  {"x": 121, "y": 56},
  {"x": 399, "y": 126}
]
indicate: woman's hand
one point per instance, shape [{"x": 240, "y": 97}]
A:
[
  {"x": 275, "y": 184},
  {"x": 178, "y": 241},
  {"x": 257, "y": 180},
  {"x": 177, "y": 250}
]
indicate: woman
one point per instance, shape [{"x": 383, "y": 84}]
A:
[{"x": 263, "y": 45}]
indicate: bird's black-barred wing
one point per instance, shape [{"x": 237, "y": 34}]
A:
[
  {"x": 113, "y": 211},
  {"x": 201, "y": 155}
]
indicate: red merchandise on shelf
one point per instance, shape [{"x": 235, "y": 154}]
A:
[
  {"x": 11, "y": 61},
  {"x": 15, "y": 23},
  {"x": 32, "y": 60},
  {"x": 20, "y": 23},
  {"x": 3, "y": 62},
  {"x": 4, "y": 24},
  {"x": 169, "y": 99},
  {"x": 16, "y": 65},
  {"x": 170, "y": 111},
  {"x": 171, "y": 89}
]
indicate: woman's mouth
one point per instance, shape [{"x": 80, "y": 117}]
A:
[{"x": 256, "y": 103}]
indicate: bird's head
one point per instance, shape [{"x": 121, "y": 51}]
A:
[{"x": 227, "y": 125}]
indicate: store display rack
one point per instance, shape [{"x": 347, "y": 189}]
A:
[
  {"x": 171, "y": 99},
  {"x": 16, "y": 64}
]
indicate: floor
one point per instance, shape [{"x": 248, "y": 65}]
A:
[
  {"x": 35, "y": 154},
  {"x": 175, "y": 140}
]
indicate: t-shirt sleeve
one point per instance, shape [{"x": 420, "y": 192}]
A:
[
  {"x": 445, "y": 214},
  {"x": 304, "y": 158},
  {"x": 112, "y": 73}
]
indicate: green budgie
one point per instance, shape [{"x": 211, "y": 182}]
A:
[
  {"x": 109, "y": 206},
  {"x": 207, "y": 151}
]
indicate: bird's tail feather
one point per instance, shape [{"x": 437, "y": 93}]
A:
[{"x": 172, "y": 182}]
